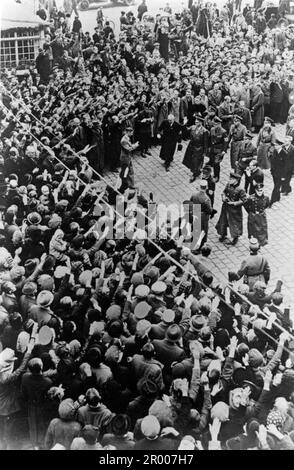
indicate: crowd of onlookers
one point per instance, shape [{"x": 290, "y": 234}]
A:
[{"x": 131, "y": 343}]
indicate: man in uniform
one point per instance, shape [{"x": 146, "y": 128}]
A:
[
  {"x": 207, "y": 175},
  {"x": 277, "y": 159},
  {"x": 254, "y": 268},
  {"x": 197, "y": 148},
  {"x": 225, "y": 113},
  {"x": 201, "y": 197},
  {"x": 218, "y": 142},
  {"x": 288, "y": 149},
  {"x": 231, "y": 215},
  {"x": 127, "y": 171},
  {"x": 244, "y": 114},
  {"x": 247, "y": 152},
  {"x": 236, "y": 135},
  {"x": 144, "y": 127}
]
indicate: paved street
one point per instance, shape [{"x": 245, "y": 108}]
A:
[{"x": 174, "y": 186}]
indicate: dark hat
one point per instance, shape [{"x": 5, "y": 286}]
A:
[
  {"x": 120, "y": 424},
  {"x": 248, "y": 134},
  {"x": 93, "y": 397},
  {"x": 34, "y": 218},
  {"x": 30, "y": 265},
  {"x": 266, "y": 118},
  {"x": 235, "y": 175},
  {"x": 222, "y": 338},
  {"x": 217, "y": 120},
  {"x": 149, "y": 388},
  {"x": 29, "y": 288},
  {"x": 198, "y": 117},
  {"x": 207, "y": 169},
  {"x": 197, "y": 322},
  {"x": 173, "y": 333}
]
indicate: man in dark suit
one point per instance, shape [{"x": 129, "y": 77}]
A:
[
  {"x": 187, "y": 108},
  {"x": 277, "y": 159},
  {"x": 168, "y": 351},
  {"x": 253, "y": 176},
  {"x": 201, "y": 197},
  {"x": 276, "y": 99},
  {"x": 245, "y": 114},
  {"x": 288, "y": 150},
  {"x": 170, "y": 133},
  {"x": 158, "y": 330}
]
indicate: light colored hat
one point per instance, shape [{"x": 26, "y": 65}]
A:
[
  {"x": 141, "y": 310},
  {"x": 7, "y": 357},
  {"x": 150, "y": 427},
  {"x": 168, "y": 316},
  {"x": 187, "y": 443},
  {"x": 203, "y": 184},
  {"x": 158, "y": 287},
  {"x": 253, "y": 244},
  {"x": 143, "y": 327},
  {"x": 142, "y": 291},
  {"x": 45, "y": 298},
  {"x": 45, "y": 335}
]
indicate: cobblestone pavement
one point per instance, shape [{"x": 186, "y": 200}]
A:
[{"x": 174, "y": 186}]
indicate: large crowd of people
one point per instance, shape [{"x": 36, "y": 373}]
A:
[{"x": 131, "y": 342}]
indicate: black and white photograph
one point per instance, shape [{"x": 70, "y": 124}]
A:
[{"x": 146, "y": 228}]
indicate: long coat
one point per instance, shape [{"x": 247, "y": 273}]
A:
[
  {"x": 257, "y": 106},
  {"x": 163, "y": 39},
  {"x": 231, "y": 216},
  {"x": 162, "y": 113},
  {"x": 203, "y": 25},
  {"x": 34, "y": 388},
  {"x": 245, "y": 114},
  {"x": 171, "y": 135},
  {"x": 196, "y": 149},
  {"x": 237, "y": 134},
  {"x": 265, "y": 138},
  {"x": 206, "y": 210},
  {"x": 257, "y": 221}
]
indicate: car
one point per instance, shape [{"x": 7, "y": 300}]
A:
[{"x": 85, "y": 4}]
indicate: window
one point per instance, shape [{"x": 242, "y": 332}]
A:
[
  {"x": 8, "y": 54},
  {"x": 19, "y": 48},
  {"x": 26, "y": 50}
]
